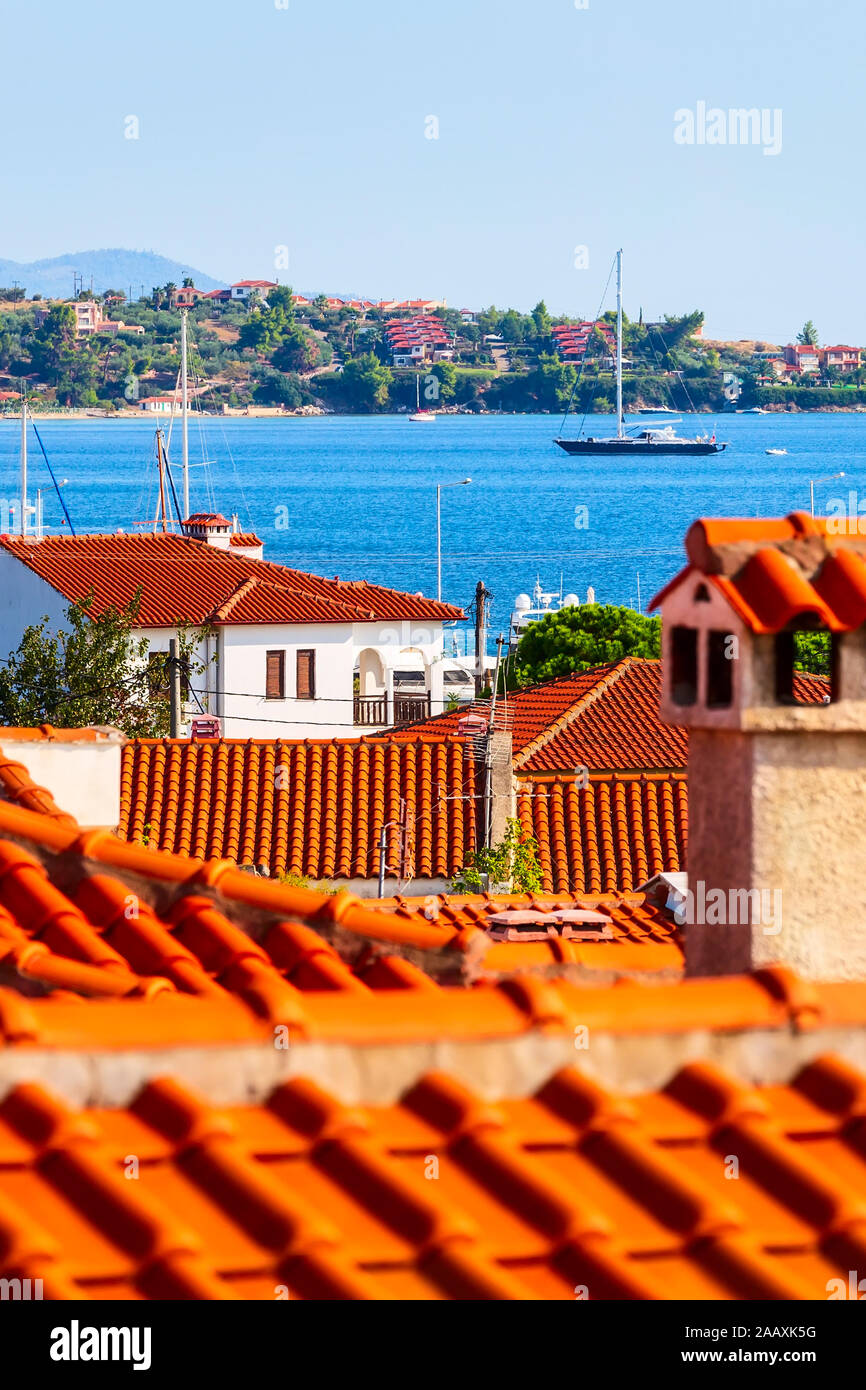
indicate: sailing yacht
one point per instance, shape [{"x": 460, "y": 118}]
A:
[
  {"x": 661, "y": 439},
  {"x": 420, "y": 417}
]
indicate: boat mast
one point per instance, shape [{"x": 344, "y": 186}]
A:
[
  {"x": 619, "y": 344},
  {"x": 23, "y": 517},
  {"x": 160, "y": 462},
  {"x": 184, "y": 399}
]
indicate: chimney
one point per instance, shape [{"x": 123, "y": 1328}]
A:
[
  {"x": 777, "y": 760},
  {"x": 209, "y": 527}
]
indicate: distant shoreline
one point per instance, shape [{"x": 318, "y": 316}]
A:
[{"x": 265, "y": 413}]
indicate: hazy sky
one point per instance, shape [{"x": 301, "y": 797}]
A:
[{"x": 305, "y": 126}]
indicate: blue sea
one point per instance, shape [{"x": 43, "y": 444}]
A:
[{"x": 356, "y": 496}]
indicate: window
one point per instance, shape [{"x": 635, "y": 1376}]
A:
[
  {"x": 684, "y": 676},
  {"x": 275, "y": 676},
  {"x": 306, "y": 674},
  {"x": 721, "y": 647},
  {"x": 795, "y": 687},
  {"x": 702, "y": 594}
]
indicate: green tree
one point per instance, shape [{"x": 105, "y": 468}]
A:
[
  {"x": 513, "y": 861},
  {"x": 297, "y": 352},
  {"x": 812, "y": 652},
  {"x": 93, "y": 671},
  {"x": 808, "y": 334},
  {"x": 575, "y": 639},
  {"x": 541, "y": 319},
  {"x": 447, "y": 374},
  {"x": 553, "y": 382},
  {"x": 365, "y": 382}
]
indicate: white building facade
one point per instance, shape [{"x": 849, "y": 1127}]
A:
[{"x": 287, "y": 677}]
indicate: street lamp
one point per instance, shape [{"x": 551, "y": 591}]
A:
[
  {"x": 439, "y": 487},
  {"x": 813, "y": 481}
]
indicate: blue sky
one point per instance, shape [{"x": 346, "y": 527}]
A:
[{"x": 304, "y": 127}]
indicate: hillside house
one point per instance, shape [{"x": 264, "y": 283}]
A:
[{"x": 284, "y": 653}]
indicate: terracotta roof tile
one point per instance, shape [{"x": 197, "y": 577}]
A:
[
  {"x": 777, "y": 572},
  {"x": 313, "y": 808},
  {"x": 183, "y": 579},
  {"x": 574, "y": 1184},
  {"x": 606, "y": 833}
]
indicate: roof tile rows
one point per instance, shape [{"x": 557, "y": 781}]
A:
[
  {"x": 605, "y": 834},
  {"x": 303, "y": 1187},
  {"x": 603, "y": 718},
  {"x": 186, "y": 580},
  {"x": 574, "y": 1191},
  {"x": 313, "y": 808}
]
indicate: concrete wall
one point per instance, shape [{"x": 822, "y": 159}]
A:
[{"x": 83, "y": 778}]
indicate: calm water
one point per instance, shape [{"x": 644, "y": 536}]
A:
[{"x": 359, "y": 494}]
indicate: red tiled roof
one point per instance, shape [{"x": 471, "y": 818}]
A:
[
  {"x": 314, "y": 808},
  {"x": 245, "y": 539},
  {"x": 184, "y": 579},
  {"x": 609, "y": 836},
  {"x": 604, "y": 718},
  {"x": 256, "y": 1174},
  {"x": 573, "y": 1186},
  {"x": 774, "y": 572}
]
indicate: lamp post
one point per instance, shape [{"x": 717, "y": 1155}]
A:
[
  {"x": 439, "y": 487},
  {"x": 813, "y": 481}
]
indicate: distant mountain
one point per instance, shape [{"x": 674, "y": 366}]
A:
[{"x": 113, "y": 269}]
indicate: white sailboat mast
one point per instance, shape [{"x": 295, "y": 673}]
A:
[
  {"x": 619, "y": 344},
  {"x": 23, "y": 505},
  {"x": 184, "y": 399}
]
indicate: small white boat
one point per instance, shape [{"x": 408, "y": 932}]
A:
[
  {"x": 420, "y": 417},
  {"x": 777, "y": 452}
]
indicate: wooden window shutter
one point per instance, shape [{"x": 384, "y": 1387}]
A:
[
  {"x": 275, "y": 677},
  {"x": 306, "y": 669}
]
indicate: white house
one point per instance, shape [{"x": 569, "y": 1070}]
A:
[
  {"x": 284, "y": 653},
  {"x": 245, "y": 289}
]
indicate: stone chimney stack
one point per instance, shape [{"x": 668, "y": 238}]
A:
[{"x": 777, "y": 760}]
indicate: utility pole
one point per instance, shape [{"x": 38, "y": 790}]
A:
[
  {"x": 488, "y": 755},
  {"x": 174, "y": 677},
  {"x": 481, "y": 597}
]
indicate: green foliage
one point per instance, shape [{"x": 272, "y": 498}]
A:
[
  {"x": 513, "y": 861},
  {"x": 276, "y": 388},
  {"x": 808, "y": 334},
  {"x": 95, "y": 671},
  {"x": 446, "y": 373},
  {"x": 270, "y": 323},
  {"x": 812, "y": 652},
  {"x": 365, "y": 382},
  {"x": 575, "y": 639},
  {"x": 293, "y": 880}
]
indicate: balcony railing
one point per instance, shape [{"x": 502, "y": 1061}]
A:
[{"x": 402, "y": 709}]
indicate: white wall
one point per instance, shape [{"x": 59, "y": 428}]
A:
[
  {"x": 83, "y": 778},
  {"x": 245, "y": 712},
  {"x": 233, "y": 687},
  {"x": 25, "y": 599}
]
